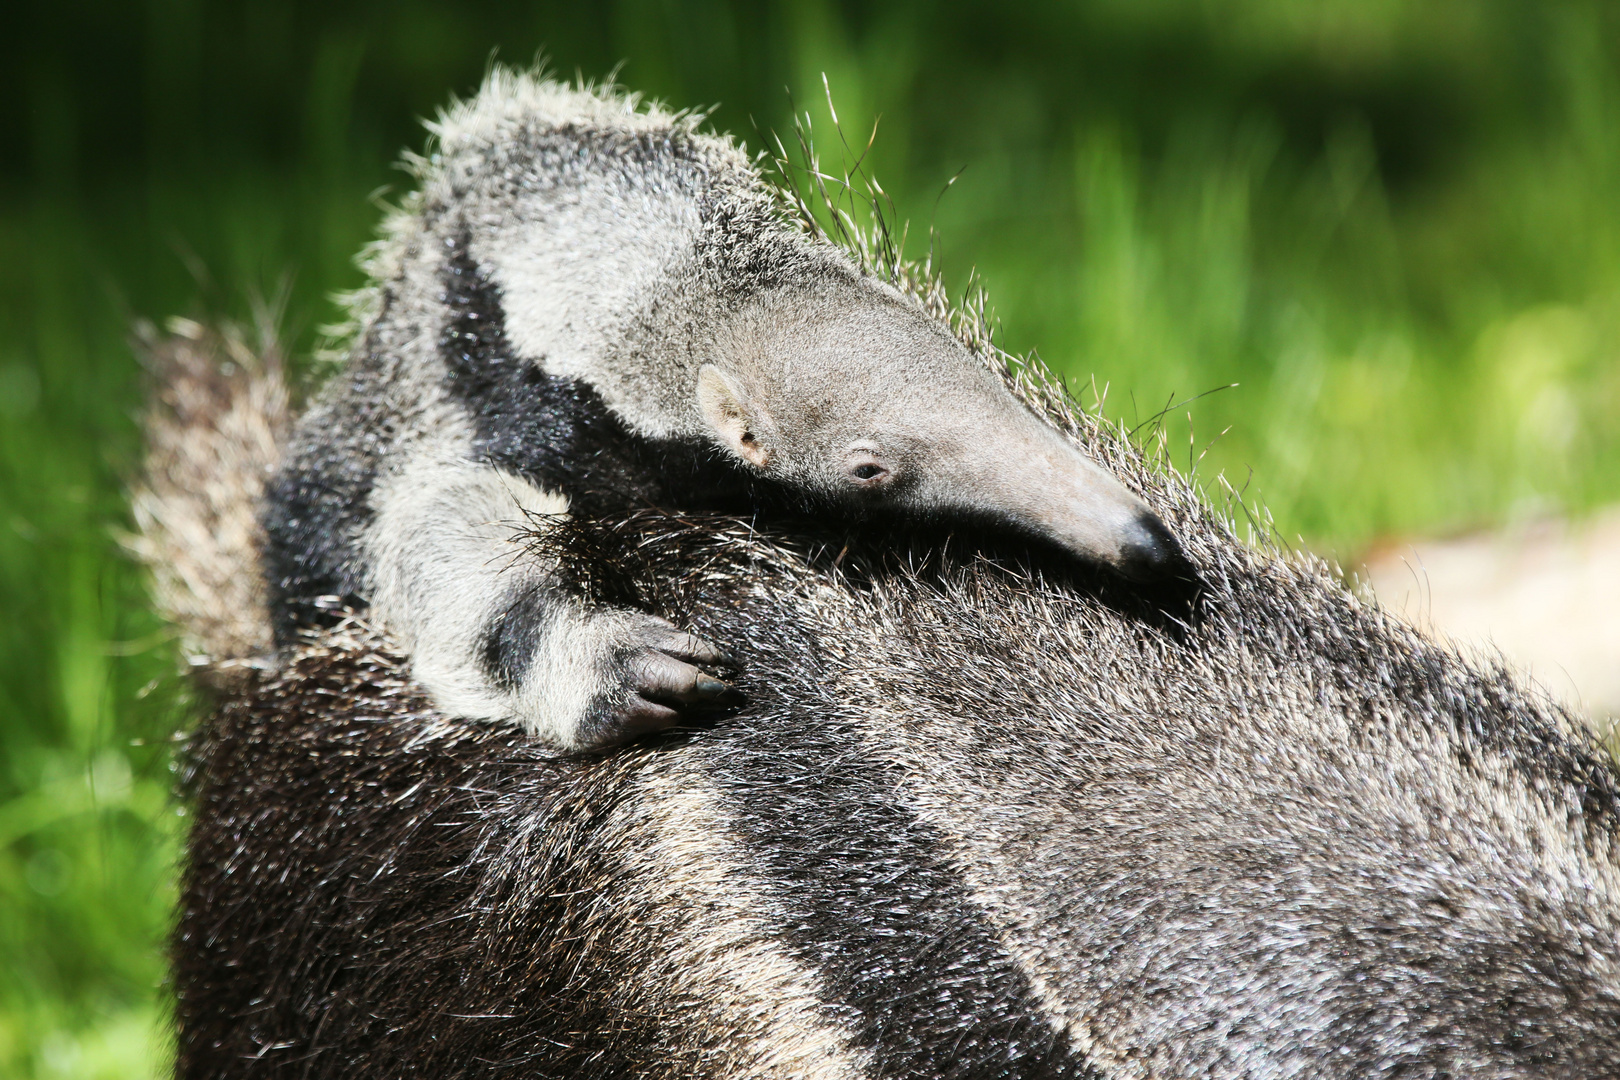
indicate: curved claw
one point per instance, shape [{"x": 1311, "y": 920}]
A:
[
  {"x": 658, "y": 676},
  {"x": 638, "y": 716},
  {"x": 690, "y": 648}
]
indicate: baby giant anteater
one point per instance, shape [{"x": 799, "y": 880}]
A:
[
  {"x": 591, "y": 306},
  {"x": 973, "y": 822}
]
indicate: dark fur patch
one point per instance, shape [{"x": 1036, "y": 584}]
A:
[
  {"x": 311, "y": 522},
  {"x": 558, "y": 433},
  {"x": 318, "y": 503},
  {"x": 870, "y": 903},
  {"x": 513, "y": 638}
]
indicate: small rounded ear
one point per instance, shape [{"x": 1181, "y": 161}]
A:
[{"x": 742, "y": 424}]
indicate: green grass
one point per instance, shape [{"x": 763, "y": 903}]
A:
[{"x": 1392, "y": 224}]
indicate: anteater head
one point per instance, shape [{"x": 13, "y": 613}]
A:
[{"x": 848, "y": 391}]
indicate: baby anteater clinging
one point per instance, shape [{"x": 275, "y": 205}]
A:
[{"x": 589, "y": 305}]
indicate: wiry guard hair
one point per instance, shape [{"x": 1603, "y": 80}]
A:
[{"x": 979, "y": 818}]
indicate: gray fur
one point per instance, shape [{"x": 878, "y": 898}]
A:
[
  {"x": 975, "y": 818},
  {"x": 974, "y": 821},
  {"x": 579, "y": 281}
]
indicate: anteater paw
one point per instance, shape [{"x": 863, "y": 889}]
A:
[{"x": 658, "y": 676}]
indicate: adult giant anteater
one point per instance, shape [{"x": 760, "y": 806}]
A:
[{"x": 976, "y": 819}]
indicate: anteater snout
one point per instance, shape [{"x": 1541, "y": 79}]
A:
[{"x": 1147, "y": 551}]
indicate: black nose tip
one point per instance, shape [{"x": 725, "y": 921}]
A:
[{"x": 1149, "y": 552}]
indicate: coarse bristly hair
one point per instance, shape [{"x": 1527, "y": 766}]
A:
[
  {"x": 215, "y": 421},
  {"x": 980, "y": 816}
]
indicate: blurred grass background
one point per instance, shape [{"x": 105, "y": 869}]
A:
[{"x": 1393, "y": 223}]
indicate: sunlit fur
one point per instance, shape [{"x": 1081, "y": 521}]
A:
[
  {"x": 214, "y": 427},
  {"x": 531, "y": 345},
  {"x": 975, "y": 819}
]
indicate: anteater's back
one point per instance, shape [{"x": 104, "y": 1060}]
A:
[{"x": 972, "y": 822}]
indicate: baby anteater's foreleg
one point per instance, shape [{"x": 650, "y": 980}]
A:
[{"x": 494, "y": 635}]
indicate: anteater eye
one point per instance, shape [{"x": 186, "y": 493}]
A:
[{"x": 867, "y": 471}]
